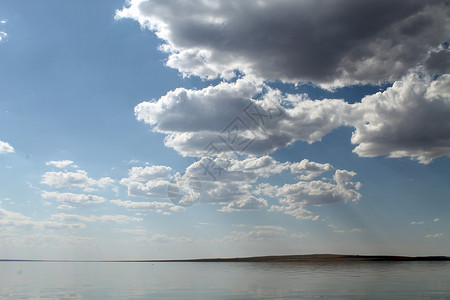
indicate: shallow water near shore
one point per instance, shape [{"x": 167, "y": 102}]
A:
[{"x": 224, "y": 280}]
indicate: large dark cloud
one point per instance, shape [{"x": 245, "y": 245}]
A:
[{"x": 331, "y": 43}]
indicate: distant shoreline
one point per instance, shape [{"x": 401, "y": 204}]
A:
[{"x": 308, "y": 258}]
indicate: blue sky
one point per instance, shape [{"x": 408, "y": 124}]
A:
[{"x": 283, "y": 128}]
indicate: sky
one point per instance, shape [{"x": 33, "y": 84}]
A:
[{"x": 150, "y": 129}]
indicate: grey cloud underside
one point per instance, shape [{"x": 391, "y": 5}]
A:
[
  {"x": 200, "y": 121},
  {"x": 409, "y": 119},
  {"x": 329, "y": 43}
]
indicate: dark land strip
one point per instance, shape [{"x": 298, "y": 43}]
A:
[{"x": 309, "y": 258}]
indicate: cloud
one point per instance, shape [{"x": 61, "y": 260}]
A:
[
  {"x": 297, "y": 41},
  {"x": 244, "y": 204},
  {"x": 265, "y": 189},
  {"x": 3, "y": 35},
  {"x": 409, "y": 119},
  {"x": 121, "y": 219},
  {"x": 438, "y": 61},
  {"x": 71, "y": 217},
  {"x": 136, "y": 231},
  {"x": 149, "y": 173},
  {"x": 71, "y": 198},
  {"x": 65, "y": 207},
  {"x": 6, "y": 214},
  {"x": 434, "y": 236},
  {"x": 149, "y": 182},
  {"x": 17, "y": 220},
  {"x": 4, "y": 146},
  {"x": 162, "y": 238},
  {"x": 149, "y": 189},
  {"x": 417, "y": 223},
  {"x": 319, "y": 192},
  {"x": 234, "y": 184},
  {"x": 310, "y": 170},
  {"x": 164, "y": 208},
  {"x": 48, "y": 241},
  {"x": 58, "y": 225},
  {"x": 400, "y": 41},
  {"x": 356, "y": 230},
  {"x": 59, "y": 163},
  {"x": 258, "y": 233},
  {"x": 294, "y": 197},
  {"x": 243, "y": 116},
  {"x": 264, "y": 166},
  {"x": 298, "y": 235},
  {"x": 296, "y": 210},
  {"x": 436, "y": 220},
  {"x": 59, "y": 221},
  {"x": 77, "y": 179},
  {"x": 335, "y": 228},
  {"x": 229, "y": 182}
]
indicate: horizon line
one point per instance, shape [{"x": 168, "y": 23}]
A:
[{"x": 265, "y": 258}]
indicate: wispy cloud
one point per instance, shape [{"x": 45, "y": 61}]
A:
[
  {"x": 417, "y": 223},
  {"x": 434, "y": 236}
]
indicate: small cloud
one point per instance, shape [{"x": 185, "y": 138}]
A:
[
  {"x": 244, "y": 204},
  {"x": 89, "y": 190},
  {"x": 356, "y": 230},
  {"x": 136, "y": 231},
  {"x": 258, "y": 233},
  {"x": 434, "y": 236},
  {"x": 4, "y": 146},
  {"x": 239, "y": 225},
  {"x": 71, "y": 198},
  {"x": 59, "y": 163},
  {"x": 65, "y": 207},
  {"x": 298, "y": 235},
  {"x": 162, "y": 238},
  {"x": 436, "y": 220},
  {"x": 335, "y": 228},
  {"x": 417, "y": 222}
]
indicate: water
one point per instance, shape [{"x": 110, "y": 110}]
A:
[{"x": 368, "y": 280}]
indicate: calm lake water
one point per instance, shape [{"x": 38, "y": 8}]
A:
[{"x": 368, "y": 280}]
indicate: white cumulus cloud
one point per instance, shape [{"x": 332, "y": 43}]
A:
[
  {"x": 71, "y": 198},
  {"x": 410, "y": 119},
  {"x": 4, "y": 146},
  {"x": 78, "y": 179},
  {"x": 59, "y": 163},
  {"x": 165, "y": 208}
]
